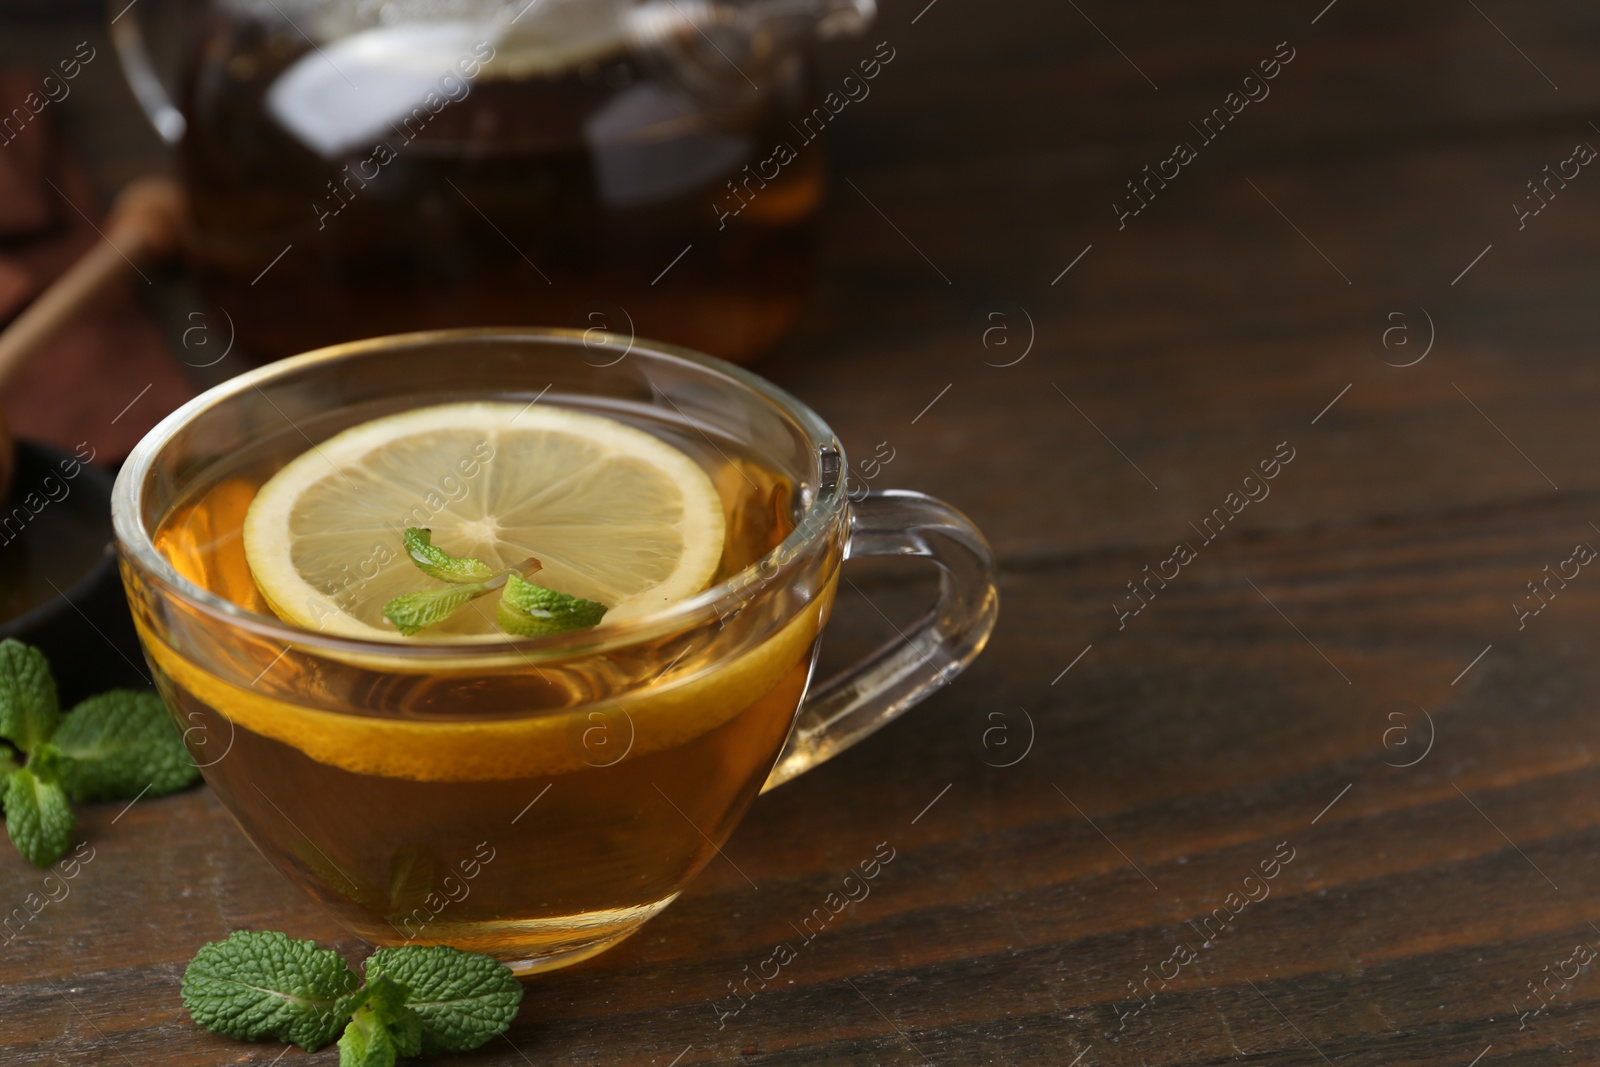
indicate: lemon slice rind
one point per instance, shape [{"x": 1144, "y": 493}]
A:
[{"x": 495, "y": 750}]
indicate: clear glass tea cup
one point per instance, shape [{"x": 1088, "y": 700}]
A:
[{"x": 534, "y": 799}]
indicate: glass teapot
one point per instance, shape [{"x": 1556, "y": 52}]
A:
[{"x": 366, "y": 167}]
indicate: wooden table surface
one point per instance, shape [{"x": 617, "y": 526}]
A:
[{"x": 1336, "y": 689}]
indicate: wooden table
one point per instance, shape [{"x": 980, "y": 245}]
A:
[{"x": 1335, "y": 688}]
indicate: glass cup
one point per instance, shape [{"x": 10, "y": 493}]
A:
[{"x": 534, "y": 799}]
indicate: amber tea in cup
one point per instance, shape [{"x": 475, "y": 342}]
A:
[{"x": 535, "y": 799}]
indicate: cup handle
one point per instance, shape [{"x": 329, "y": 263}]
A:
[
  {"x": 128, "y": 39},
  {"x": 851, "y": 705}
]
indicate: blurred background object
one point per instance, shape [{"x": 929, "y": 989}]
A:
[
  {"x": 109, "y": 375},
  {"x": 84, "y": 372},
  {"x": 360, "y": 168},
  {"x": 59, "y": 588},
  {"x": 144, "y": 228}
]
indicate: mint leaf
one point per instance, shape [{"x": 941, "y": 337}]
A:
[
  {"x": 259, "y": 984},
  {"x": 367, "y": 1043},
  {"x": 462, "y": 998},
  {"x": 38, "y": 816},
  {"x": 529, "y": 610},
  {"x": 47, "y": 762},
  {"x": 29, "y": 710},
  {"x": 382, "y": 1029},
  {"x": 411, "y": 612},
  {"x": 437, "y": 563},
  {"x": 119, "y": 744}
]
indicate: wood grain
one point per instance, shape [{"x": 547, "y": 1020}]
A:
[{"x": 1272, "y": 693}]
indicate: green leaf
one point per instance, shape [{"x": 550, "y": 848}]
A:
[
  {"x": 48, "y": 763},
  {"x": 411, "y": 612},
  {"x": 8, "y": 765},
  {"x": 367, "y": 1043},
  {"x": 437, "y": 563},
  {"x": 121, "y": 744},
  {"x": 529, "y": 610},
  {"x": 29, "y": 710},
  {"x": 381, "y": 1028},
  {"x": 260, "y": 984},
  {"x": 38, "y": 816},
  {"x": 462, "y": 998}
]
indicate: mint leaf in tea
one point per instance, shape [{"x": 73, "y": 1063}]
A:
[
  {"x": 529, "y": 610},
  {"x": 437, "y": 563},
  {"x": 525, "y": 609},
  {"x": 412, "y": 613}
]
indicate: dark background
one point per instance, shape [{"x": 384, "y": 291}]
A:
[{"x": 1341, "y": 669}]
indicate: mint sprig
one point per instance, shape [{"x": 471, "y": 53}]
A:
[
  {"x": 117, "y": 745},
  {"x": 524, "y": 610},
  {"x": 418, "y": 1000}
]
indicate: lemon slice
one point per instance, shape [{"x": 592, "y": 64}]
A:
[{"x": 614, "y": 514}]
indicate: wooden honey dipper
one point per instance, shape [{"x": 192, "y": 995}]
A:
[{"x": 145, "y": 226}]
